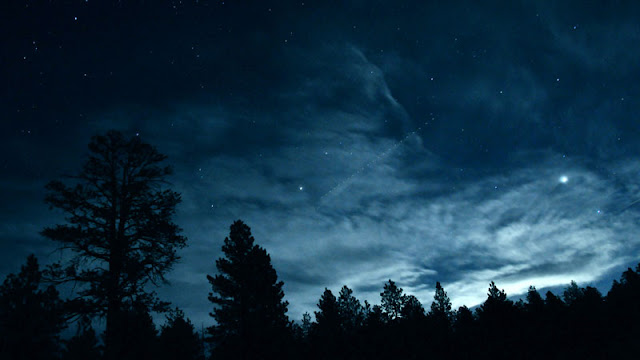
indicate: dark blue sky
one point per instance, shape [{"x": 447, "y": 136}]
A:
[{"x": 360, "y": 140}]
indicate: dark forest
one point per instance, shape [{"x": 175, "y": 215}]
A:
[{"x": 120, "y": 241}]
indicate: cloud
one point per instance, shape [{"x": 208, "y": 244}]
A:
[
  {"x": 453, "y": 179},
  {"x": 378, "y": 205}
]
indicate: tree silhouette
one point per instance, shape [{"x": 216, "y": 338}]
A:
[
  {"x": 327, "y": 332},
  {"x": 31, "y": 318},
  {"x": 350, "y": 310},
  {"x": 585, "y": 314},
  {"x": 412, "y": 309},
  {"x": 497, "y": 317},
  {"x": 179, "y": 339},
  {"x": 306, "y": 325},
  {"x": 572, "y": 293},
  {"x": 463, "y": 319},
  {"x": 84, "y": 344},
  {"x": 624, "y": 313},
  {"x": 392, "y": 300},
  {"x": 139, "y": 334},
  {"x": 441, "y": 307},
  {"x": 496, "y": 304},
  {"x": 535, "y": 304},
  {"x": 119, "y": 229},
  {"x": 249, "y": 308}
]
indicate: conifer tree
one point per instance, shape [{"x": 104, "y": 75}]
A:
[
  {"x": 306, "y": 325},
  {"x": 534, "y": 300},
  {"x": 178, "y": 338},
  {"x": 412, "y": 309},
  {"x": 350, "y": 310},
  {"x": 249, "y": 308},
  {"x": 573, "y": 293},
  {"x": 328, "y": 316},
  {"x": 31, "y": 316},
  {"x": 119, "y": 231},
  {"x": 84, "y": 344},
  {"x": 496, "y": 304},
  {"x": 441, "y": 306},
  {"x": 392, "y": 300}
]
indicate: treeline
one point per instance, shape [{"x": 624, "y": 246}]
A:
[
  {"x": 32, "y": 316},
  {"x": 120, "y": 241},
  {"x": 251, "y": 321}
]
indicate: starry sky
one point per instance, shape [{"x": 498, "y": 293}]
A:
[{"x": 459, "y": 142}]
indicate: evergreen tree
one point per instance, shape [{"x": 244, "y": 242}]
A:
[
  {"x": 441, "y": 307},
  {"x": 464, "y": 333},
  {"x": 463, "y": 319},
  {"x": 327, "y": 333},
  {"x": 84, "y": 344},
  {"x": 412, "y": 308},
  {"x": 552, "y": 303},
  {"x": 119, "y": 229},
  {"x": 375, "y": 317},
  {"x": 306, "y": 325},
  {"x": 392, "y": 300},
  {"x": 249, "y": 309},
  {"x": 31, "y": 317},
  {"x": 496, "y": 305},
  {"x": 350, "y": 310},
  {"x": 179, "y": 339},
  {"x": 535, "y": 304},
  {"x": 328, "y": 316},
  {"x": 572, "y": 293},
  {"x": 139, "y": 334},
  {"x": 587, "y": 318},
  {"x": 624, "y": 313},
  {"x": 497, "y": 318}
]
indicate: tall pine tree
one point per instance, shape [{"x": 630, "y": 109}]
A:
[
  {"x": 248, "y": 300},
  {"x": 441, "y": 307},
  {"x": 350, "y": 310},
  {"x": 392, "y": 299},
  {"x": 119, "y": 231}
]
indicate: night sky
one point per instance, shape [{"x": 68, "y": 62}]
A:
[{"x": 360, "y": 140}]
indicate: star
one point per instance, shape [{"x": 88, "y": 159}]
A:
[
  {"x": 563, "y": 179},
  {"x": 301, "y": 188}
]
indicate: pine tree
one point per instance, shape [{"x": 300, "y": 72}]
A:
[
  {"x": 31, "y": 317},
  {"x": 496, "y": 304},
  {"x": 119, "y": 229},
  {"x": 84, "y": 344},
  {"x": 392, "y": 300},
  {"x": 573, "y": 293},
  {"x": 441, "y": 307},
  {"x": 249, "y": 309},
  {"x": 350, "y": 310},
  {"x": 139, "y": 334},
  {"x": 179, "y": 339},
  {"x": 327, "y": 330},
  {"x": 624, "y": 312},
  {"x": 463, "y": 319},
  {"x": 306, "y": 325},
  {"x": 328, "y": 316},
  {"x": 535, "y": 304},
  {"x": 412, "y": 309}
]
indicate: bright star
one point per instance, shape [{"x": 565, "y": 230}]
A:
[
  {"x": 563, "y": 179},
  {"x": 301, "y": 188}
]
